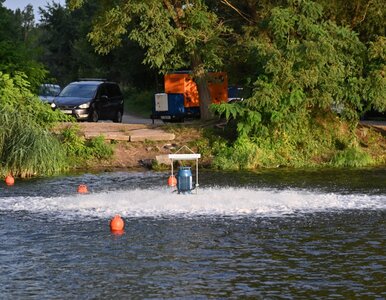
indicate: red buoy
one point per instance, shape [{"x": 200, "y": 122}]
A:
[
  {"x": 9, "y": 180},
  {"x": 117, "y": 224},
  {"x": 172, "y": 180},
  {"x": 82, "y": 189}
]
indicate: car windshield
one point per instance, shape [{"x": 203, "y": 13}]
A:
[
  {"x": 79, "y": 90},
  {"x": 49, "y": 90}
]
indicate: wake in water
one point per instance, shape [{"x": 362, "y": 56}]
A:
[{"x": 161, "y": 202}]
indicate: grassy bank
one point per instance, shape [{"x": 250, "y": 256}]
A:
[{"x": 222, "y": 150}]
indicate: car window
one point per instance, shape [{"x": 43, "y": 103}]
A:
[
  {"x": 79, "y": 90},
  {"x": 49, "y": 90},
  {"x": 102, "y": 90},
  {"x": 113, "y": 90}
]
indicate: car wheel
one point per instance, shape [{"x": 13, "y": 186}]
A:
[
  {"x": 118, "y": 117},
  {"x": 93, "y": 117}
]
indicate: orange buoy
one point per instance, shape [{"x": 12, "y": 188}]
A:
[
  {"x": 82, "y": 189},
  {"x": 172, "y": 180},
  {"x": 9, "y": 180},
  {"x": 117, "y": 224}
]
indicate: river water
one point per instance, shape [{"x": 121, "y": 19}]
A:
[{"x": 279, "y": 234}]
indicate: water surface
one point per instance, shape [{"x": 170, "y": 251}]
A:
[{"x": 272, "y": 234}]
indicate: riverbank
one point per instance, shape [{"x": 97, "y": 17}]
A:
[
  {"x": 145, "y": 145},
  {"x": 137, "y": 145}
]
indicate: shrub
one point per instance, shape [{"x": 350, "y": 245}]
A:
[
  {"x": 79, "y": 150},
  {"x": 15, "y": 94},
  {"x": 351, "y": 157},
  {"x": 27, "y": 147}
]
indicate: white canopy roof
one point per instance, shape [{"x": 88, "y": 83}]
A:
[{"x": 185, "y": 156}]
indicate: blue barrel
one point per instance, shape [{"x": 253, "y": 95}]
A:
[{"x": 184, "y": 180}]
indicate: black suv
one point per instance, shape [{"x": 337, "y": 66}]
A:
[{"x": 91, "y": 100}]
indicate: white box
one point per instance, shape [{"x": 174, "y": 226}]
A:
[{"x": 161, "y": 102}]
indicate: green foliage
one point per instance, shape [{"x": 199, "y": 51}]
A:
[
  {"x": 79, "y": 150},
  {"x": 138, "y": 102},
  {"x": 190, "y": 29},
  {"x": 376, "y": 80},
  {"x": 368, "y": 18},
  {"x": 15, "y": 94},
  {"x": 307, "y": 65},
  {"x": 69, "y": 55},
  {"x": 351, "y": 157},
  {"x": 16, "y": 52},
  {"x": 242, "y": 155},
  {"x": 99, "y": 148},
  {"x": 27, "y": 149}
]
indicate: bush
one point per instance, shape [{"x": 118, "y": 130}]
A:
[
  {"x": 15, "y": 94},
  {"x": 98, "y": 148},
  {"x": 351, "y": 157},
  {"x": 27, "y": 147},
  {"x": 79, "y": 150},
  {"x": 306, "y": 66},
  {"x": 242, "y": 155}
]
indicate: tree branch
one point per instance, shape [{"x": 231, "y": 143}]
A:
[{"x": 243, "y": 15}]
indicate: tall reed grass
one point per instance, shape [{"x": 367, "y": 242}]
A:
[{"x": 27, "y": 149}]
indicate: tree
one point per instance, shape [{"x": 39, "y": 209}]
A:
[
  {"x": 15, "y": 54},
  {"x": 69, "y": 55},
  {"x": 366, "y": 17},
  {"x": 176, "y": 34},
  {"x": 306, "y": 65},
  {"x": 27, "y": 20}
]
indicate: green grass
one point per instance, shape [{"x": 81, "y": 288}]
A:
[
  {"x": 27, "y": 149},
  {"x": 351, "y": 157},
  {"x": 332, "y": 143}
]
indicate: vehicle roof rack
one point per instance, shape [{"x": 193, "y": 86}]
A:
[{"x": 92, "y": 79}]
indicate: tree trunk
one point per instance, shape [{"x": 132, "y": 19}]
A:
[{"x": 200, "y": 77}]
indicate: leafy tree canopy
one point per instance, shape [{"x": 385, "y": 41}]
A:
[
  {"x": 69, "y": 55},
  {"x": 175, "y": 34},
  {"x": 308, "y": 66},
  {"x": 16, "y": 55}
]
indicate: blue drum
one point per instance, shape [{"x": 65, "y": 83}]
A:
[{"x": 184, "y": 180}]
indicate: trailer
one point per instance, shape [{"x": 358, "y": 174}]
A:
[{"x": 181, "y": 99}]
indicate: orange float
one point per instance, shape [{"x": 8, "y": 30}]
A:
[
  {"x": 117, "y": 224},
  {"x": 9, "y": 180},
  {"x": 172, "y": 180},
  {"x": 82, "y": 189}
]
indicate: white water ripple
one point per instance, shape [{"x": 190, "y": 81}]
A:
[{"x": 207, "y": 202}]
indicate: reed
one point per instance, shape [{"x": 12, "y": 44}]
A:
[{"x": 27, "y": 149}]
